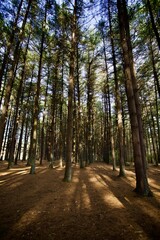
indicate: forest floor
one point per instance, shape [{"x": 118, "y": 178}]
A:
[{"x": 96, "y": 205}]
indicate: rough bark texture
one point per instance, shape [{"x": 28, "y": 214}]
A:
[{"x": 142, "y": 186}]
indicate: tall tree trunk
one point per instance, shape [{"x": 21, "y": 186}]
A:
[
  {"x": 10, "y": 43},
  {"x": 9, "y": 85},
  {"x": 68, "y": 168},
  {"x": 153, "y": 22},
  {"x": 157, "y": 93},
  {"x": 4, "y": 146},
  {"x": 61, "y": 116},
  {"x": 108, "y": 127},
  {"x": 32, "y": 157},
  {"x": 90, "y": 93},
  {"x": 17, "y": 112},
  {"x": 52, "y": 140},
  {"x": 18, "y": 153},
  {"x": 117, "y": 100},
  {"x": 79, "y": 118},
  {"x": 154, "y": 138},
  {"x": 42, "y": 153},
  {"x": 142, "y": 186}
]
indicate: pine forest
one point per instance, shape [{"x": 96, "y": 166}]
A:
[{"x": 79, "y": 119}]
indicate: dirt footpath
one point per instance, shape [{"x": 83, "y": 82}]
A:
[{"x": 97, "y": 205}]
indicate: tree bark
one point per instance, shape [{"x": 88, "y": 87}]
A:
[
  {"x": 12, "y": 76},
  {"x": 32, "y": 157},
  {"x": 142, "y": 186},
  {"x": 153, "y": 23},
  {"x": 117, "y": 102},
  {"x": 68, "y": 168}
]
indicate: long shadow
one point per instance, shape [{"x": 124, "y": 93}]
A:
[
  {"x": 76, "y": 210},
  {"x": 101, "y": 215},
  {"x": 153, "y": 228}
]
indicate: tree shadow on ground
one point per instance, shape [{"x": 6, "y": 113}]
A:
[{"x": 97, "y": 205}]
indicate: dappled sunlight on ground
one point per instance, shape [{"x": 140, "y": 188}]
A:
[
  {"x": 107, "y": 195},
  {"x": 97, "y": 204}
]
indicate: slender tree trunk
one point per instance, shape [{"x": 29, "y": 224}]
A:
[
  {"x": 17, "y": 112},
  {"x": 61, "y": 116},
  {"x": 4, "y": 146},
  {"x": 32, "y": 157},
  {"x": 154, "y": 138},
  {"x": 157, "y": 93},
  {"x": 10, "y": 43},
  {"x": 18, "y": 154},
  {"x": 108, "y": 127},
  {"x": 26, "y": 140},
  {"x": 90, "y": 93},
  {"x": 153, "y": 22},
  {"x": 42, "y": 150},
  {"x": 79, "y": 119},
  {"x": 106, "y": 140},
  {"x": 117, "y": 101},
  {"x": 3, "y": 86},
  {"x": 12, "y": 76},
  {"x": 68, "y": 168}
]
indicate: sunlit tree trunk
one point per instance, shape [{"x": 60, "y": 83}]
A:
[
  {"x": 3, "y": 84},
  {"x": 4, "y": 146}
]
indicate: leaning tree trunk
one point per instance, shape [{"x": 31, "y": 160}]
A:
[{"x": 142, "y": 186}]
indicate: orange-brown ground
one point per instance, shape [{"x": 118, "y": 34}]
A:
[{"x": 97, "y": 205}]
